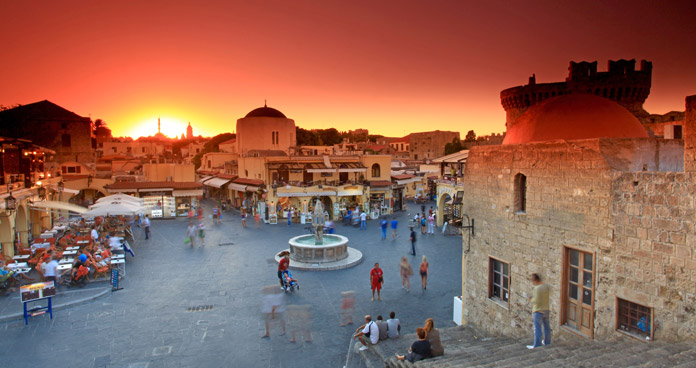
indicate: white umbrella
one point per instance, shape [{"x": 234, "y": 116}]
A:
[
  {"x": 114, "y": 208},
  {"x": 120, "y": 197}
]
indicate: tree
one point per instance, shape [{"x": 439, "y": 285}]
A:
[
  {"x": 213, "y": 145},
  {"x": 470, "y": 136},
  {"x": 306, "y": 137},
  {"x": 329, "y": 137},
  {"x": 455, "y": 146}
]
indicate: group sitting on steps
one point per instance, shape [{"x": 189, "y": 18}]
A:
[{"x": 428, "y": 343}]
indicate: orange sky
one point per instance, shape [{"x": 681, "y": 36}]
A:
[{"x": 391, "y": 66}]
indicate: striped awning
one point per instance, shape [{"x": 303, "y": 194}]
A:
[
  {"x": 188, "y": 193},
  {"x": 237, "y": 187},
  {"x": 216, "y": 182},
  {"x": 348, "y": 167},
  {"x": 350, "y": 192}
]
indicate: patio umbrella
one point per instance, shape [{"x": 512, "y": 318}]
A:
[
  {"x": 120, "y": 197},
  {"x": 113, "y": 208}
]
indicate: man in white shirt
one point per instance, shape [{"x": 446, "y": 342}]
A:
[
  {"x": 370, "y": 330},
  {"x": 94, "y": 234},
  {"x": 146, "y": 225},
  {"x": 363, "y": 223},
  {"x": 50, "y": 271}
]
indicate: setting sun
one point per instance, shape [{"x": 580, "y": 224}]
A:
[{"x": 169, "y": 126}]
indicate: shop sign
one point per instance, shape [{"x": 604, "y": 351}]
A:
[{"x": 37, "y": 291}]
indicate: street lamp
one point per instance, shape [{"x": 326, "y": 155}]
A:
[
  {"x": 10, "y": 202},
  {"x": 41, "y": 191}
]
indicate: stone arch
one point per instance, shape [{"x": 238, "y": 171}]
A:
[
  {"x": 442, "y": 199},
  {"x": 6, "y": 236},
  {"x": 22, "y": 225}
]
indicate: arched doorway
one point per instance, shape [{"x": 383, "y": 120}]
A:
[
  {"x": 328, "y": 206},
  {"x": 21, "y": 225},
  {"x": 6, "y": 236},
  {"x": 443, "y": 208}
]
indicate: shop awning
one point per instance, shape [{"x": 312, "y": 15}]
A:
[
  {"x": 354, "y": 167},
  {"x": 216, "y": 182},
  {"x": 55, "y": 205},
  {"x": 251, "y": 188},
  {"x": 203, "y": 179},
  {"x": 408, "y": 181},
  {"x": 307, "y": 194},
  {"x": 237, "y": 187},
  {"x": 323, "y": 170},
  {"x": 188, "y": 193},
  {"x": 350, "y": 192}
]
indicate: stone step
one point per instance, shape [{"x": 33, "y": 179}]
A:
[{"x": 533, "y": 356}]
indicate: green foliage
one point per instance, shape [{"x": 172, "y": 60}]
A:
[
  {"x": 329, "y": 137},
  {"x": 454, "y": 147},
  {"x": 213, "y": 145},
  {"x": 306, "y": 137},
  {"x": 470, "y": 136}
]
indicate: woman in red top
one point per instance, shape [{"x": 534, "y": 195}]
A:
[
  {"x": 283, "y": 266},
  {"x": 376, "y": 279}
]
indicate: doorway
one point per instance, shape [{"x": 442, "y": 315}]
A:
[{"x": 577, "y": 311}]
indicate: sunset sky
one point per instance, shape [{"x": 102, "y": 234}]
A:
[{"x": 392, "y": 66}]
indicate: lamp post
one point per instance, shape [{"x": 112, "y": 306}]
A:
[{"x": 10, "y": 201}]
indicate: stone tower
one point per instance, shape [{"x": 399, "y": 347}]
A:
[
  {"x": 690, "y": 134},
  {"x": 189, "y": 131},
  {"x": 621, "y": 83}
]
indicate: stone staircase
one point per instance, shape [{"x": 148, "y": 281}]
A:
[{"x": 464, "y": 347}]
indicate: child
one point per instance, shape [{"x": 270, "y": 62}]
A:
[
  {"x": 257, "y": 218},
  {"x": 244, "y": 217}
]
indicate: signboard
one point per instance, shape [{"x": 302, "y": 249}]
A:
[
  {"x": 39, "y": 290},
  {"x": 156, "y": 213},
  {"x": 114, "y": 279}
]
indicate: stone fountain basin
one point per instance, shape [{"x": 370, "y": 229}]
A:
[{"x": 303, "y": 249}]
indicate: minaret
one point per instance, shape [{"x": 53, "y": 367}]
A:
[
  {"x": 158, "y": 125},
  {"x": 189, "y": 131}
]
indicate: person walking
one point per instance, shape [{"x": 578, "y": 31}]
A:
[
  {"x": 424, "y": 273},
  {"x": 191, "y": 234},
  {"x": 216, "y": 214},
  {"x": 431, "y": 224},
  {"x": 413, "y": 242},
  {"x": 423, "y": 223},
  {"x": 406, "y": 272},
  {"x": 200, "y": 213},
  {"x": 540, "y": 312},
  {"x": 257, "y": 219},
  {"x": 376, "y": 281},
  {"x": 383, "y": 225},
  {"x": 201, "y": 233},
  {"x": 363, "y": 222},
  {"x": 146, "y": 226},
  {"x": 394, "y": 224},
  {"x": 244, "y": 217},
  {"x": 283, "y": 266}
]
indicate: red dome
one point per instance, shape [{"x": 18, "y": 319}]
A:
[{"x": 574, "y": 116}]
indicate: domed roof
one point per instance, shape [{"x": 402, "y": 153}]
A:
[
  {"x": 574, "y": 116},
  {"x": 265, "y": 112}
]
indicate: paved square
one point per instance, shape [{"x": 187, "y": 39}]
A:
[{"x": 200, "y": 307}]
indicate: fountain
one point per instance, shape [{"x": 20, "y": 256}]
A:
[{"x": 319, "y": 250}]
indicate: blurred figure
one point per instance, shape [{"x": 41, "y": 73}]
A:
[
  {"x": 406, "y": 273},
  {"x": 347, "y": 307},
  {"x": 272, "y": 308},
  {"x": 201, "y": 234},
  {"x": 191, "y": 234},
  {"x": 300, "y": 322},
  {"x": 394, "y": 224},
  {"x": 257, "y": 219},
  {"x": 424, "y": 273}
]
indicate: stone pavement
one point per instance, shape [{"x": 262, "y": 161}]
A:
[
  {"x": 199, "y": 307},
  {"x": 465, "y": 347}
]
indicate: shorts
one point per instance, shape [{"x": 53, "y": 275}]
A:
[
  {"x": 424, "y": 273},
  {"x": 377, "y": 286}
]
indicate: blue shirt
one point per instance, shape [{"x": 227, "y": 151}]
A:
[
  {"x": 384, "y": 224},
  {"x": 394, "y": 223}
]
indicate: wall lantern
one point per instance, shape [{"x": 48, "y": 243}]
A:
[{"x": 10, "y": 203}]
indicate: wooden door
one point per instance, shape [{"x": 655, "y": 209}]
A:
[{"x": 579, "y": 291}]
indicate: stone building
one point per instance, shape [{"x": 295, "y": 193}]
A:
[
  {"x": 51, "y": 126},
  {"x": 603, "y": 214},
  {"x": 622, "y": 83},
  {"x": 265, "y": 128},
  {"x": 429, "y": 145}
]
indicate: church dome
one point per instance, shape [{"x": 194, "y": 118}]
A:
[
  {"x": 574, "y": 116},
  {"x": 265, "y": 112}
]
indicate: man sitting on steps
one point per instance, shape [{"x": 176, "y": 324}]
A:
[{"x": 369, "y": 329}]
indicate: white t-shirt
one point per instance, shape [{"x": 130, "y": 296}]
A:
[
  {"x": 393, "y": 327},
  {"x": 50, "y": 268},
  {"x": 363, "y": 216},
  {"x": 95, "y": 234},
  {"x": 373, "y": 330}
]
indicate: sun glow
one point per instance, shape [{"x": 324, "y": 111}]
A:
[{"x": 169, "y": 126}]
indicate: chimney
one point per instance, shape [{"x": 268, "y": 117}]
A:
[{"x": 690, "y": 135}]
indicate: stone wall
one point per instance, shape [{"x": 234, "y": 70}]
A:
[
  {"x": 654, "y": 241},
  {"x": 568, "y": 196},
  {"x": 638, "y": 225}
]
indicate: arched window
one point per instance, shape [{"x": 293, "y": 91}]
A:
[
  {"x": 375, "y": 170},
  {"x": 520, "y": 204}
]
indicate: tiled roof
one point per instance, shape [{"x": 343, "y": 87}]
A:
[
  {"x": 153, "y": 185},
  {"x": 402, "y": 176},
  {"x": 247, "y": 181},
  {"x": 380, "y": 183}
]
